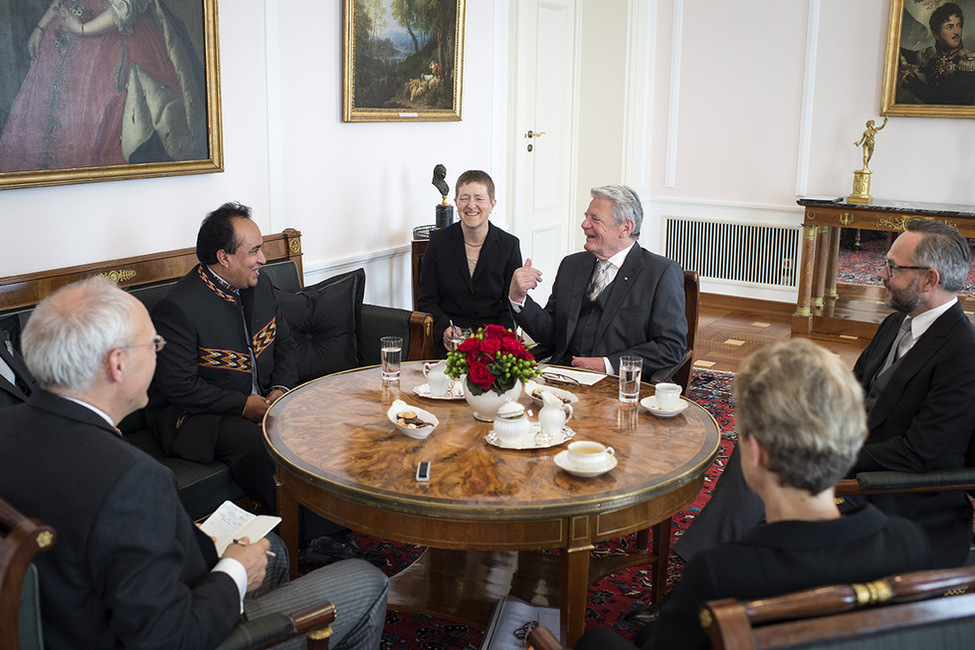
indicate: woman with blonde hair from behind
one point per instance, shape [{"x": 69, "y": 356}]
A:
[{"x": 801, "y": 423}]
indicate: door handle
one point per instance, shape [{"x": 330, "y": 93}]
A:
[{"x": 534, "y": 134}]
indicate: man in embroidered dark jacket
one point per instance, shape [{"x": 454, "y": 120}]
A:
[{"x": 229, "y": 355}]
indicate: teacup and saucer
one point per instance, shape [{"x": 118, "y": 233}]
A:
[
  {"x": 586, "y": 458},
  {"x": 665, "y": 402}
]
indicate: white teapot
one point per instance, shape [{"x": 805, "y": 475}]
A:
[
  {"x": 512, "y": 424},
  {"x": 554, "y": 413},
  {"x": 437, "y": 378}
]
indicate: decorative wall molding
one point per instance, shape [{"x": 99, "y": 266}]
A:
[
  {"x": 806, "y": 103},
  {"x": 638, "y": 94},
  {"x": 673, "y": 100}
]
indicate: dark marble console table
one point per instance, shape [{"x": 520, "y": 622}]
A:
[{"x": 823, "y": 219}]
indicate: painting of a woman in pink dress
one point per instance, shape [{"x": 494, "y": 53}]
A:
[{"x": 111, "y": 82}]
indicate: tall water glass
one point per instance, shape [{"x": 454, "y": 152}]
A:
[
  {"x": 630, "y": 370},
  {"x": 391, "y": 354},
  {"x": 459, "y": 335}
]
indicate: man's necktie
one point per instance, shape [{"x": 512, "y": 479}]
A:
[
  {"x": 900, "y": 345},
  {"x": 599, "y": 279},
  {"x": 7, "y": 372}
]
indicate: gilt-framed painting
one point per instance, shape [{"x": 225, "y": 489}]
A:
[
  {"x": 404, "y": 60},
  {"x": 102, "y": 90},
  {"x": 928, "y": 71}
]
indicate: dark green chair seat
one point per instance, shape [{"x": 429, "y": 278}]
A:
[{"x": 202, "y": 486}]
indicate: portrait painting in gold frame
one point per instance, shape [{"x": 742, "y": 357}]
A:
[
  {"x": 102, "y": 90},
  {"x": 928, "y": 71}
]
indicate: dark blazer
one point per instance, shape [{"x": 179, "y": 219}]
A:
[
  {"x": 16, "y": 393},
  {"x": 449, "y": 292},
  {"x": 644, "y": 314},
  {"x": 129, "y": 567},
  {"x": 205, "y": 372},
  {"x": 785, "y": 556},
  {"x": 923, "y": 421}
]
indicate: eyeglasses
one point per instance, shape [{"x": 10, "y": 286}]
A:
[
  {"x": 894, "y": 267},
  {"x": 158, "y": 343},
  {"x": 522, "y": 632},
  {"x": 555, "y": 376}
]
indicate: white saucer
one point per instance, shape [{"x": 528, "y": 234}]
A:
[
  {"x": 562, "y": 460},
  {"x": 454, "y": 391},
  {"x": 650, "y": 403},
  {"x": 528, "y": 441}
]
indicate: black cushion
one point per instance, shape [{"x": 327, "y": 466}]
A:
[{"x": 324, "y": 319}]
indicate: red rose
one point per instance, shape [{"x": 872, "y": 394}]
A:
[
  {"x": 468, "y": 345},
  {"x": 494, "y": 332},
  {"x": 512, "y": 346},
  {"x": 490, "y": 347},
  {"x": 480, "y": 376}
]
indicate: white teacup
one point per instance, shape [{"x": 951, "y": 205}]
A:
[
  {"x": 668, "y": 396},
  {"x": 437, "y": 379},
  {"x": 589, "y": 455}
]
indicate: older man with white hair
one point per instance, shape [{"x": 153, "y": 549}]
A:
[
  {"x": 613, "y": 299},
  {"x": 130, "y": 569}
]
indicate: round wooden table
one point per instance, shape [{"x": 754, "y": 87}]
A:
[{"x": 338, "y": 455}]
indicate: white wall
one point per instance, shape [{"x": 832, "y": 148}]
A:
[
  {"x": 355, "y": 191},
  {"x": 601, "y": 88},
  {"x": 712, "y": 127},
  {"x": 75, "y": 224},
  {"x": 735, "y": 85}
]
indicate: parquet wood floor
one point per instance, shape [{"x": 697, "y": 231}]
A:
[{"x": 729, "y": 329}]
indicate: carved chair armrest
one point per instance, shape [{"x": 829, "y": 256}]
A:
[
  {"x": 272, "y": 629},
  {"x": 887, "y": 482}
]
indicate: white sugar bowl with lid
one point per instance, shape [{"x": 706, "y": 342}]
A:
[{"x": 511, "y": 424}]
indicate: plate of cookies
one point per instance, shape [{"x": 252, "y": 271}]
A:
[{"x": 411, "y": 420}]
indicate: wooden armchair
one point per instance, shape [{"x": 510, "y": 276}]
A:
[
  {"x": 918, "y": 610},
  {"x": 879, "y": 482},
  {"x": 20, "y": 615},
  {"x": 890, "y": 482},
  {"x": 681, "y": 374},
  {"x": 21, "y": 538}
]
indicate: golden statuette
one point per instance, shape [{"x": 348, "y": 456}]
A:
[{"x": 861, "y": 177}]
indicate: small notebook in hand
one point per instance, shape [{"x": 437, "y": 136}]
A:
[{"x": 231, "y": 522}]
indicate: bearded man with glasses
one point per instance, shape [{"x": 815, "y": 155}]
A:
[{"x": 918, "y": 375}]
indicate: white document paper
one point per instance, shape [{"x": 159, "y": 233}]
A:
[
  {"x": 509, "y": 615},
  {"x": 231, "y": 522},
  {"x": 584, "y": 377}
]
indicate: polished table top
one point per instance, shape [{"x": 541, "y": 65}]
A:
[
  {"x": 334, "y": 433},
  {"x": 337, "y": 454}
]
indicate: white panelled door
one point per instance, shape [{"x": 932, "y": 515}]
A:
[{"x": 542, "y": 157}]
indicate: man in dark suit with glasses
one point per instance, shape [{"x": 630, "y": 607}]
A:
[{"x": 918, "y": 375}]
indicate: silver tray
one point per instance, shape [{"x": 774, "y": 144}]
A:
[{"x": 528, "y": 441}]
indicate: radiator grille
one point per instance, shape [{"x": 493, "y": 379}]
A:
[{"x": 735, "y": 252}]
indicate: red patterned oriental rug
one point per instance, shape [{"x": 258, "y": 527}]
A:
[
  {"x": 608, "y": 599},
  {"x": 863, "y": 266}
]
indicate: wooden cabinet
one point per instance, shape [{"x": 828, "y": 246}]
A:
[{"x": 416, "y": 260}]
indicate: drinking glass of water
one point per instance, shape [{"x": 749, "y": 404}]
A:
[
  {"x": 391, "y": 354},
  {"x": 630, "y": 370},
  {"x": 459, "y": 335}
]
